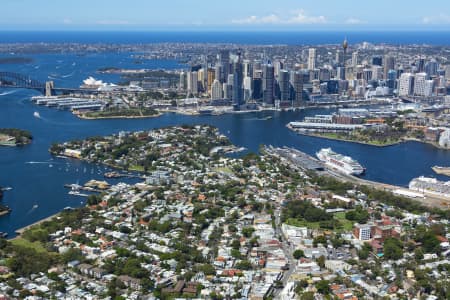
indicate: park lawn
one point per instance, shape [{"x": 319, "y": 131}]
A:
[
  {"x": 303, "y": 223},
  {"x": 21, "y": 242},
  {"x": 224, "y": 170},
  {"x": 136, "y": 168},
  {"x": 347, "y": 225}
]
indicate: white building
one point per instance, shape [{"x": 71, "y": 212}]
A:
[
  {"x": 406, "y": 86},
  {"x": 312, "y": 59},
  {"x": 419, "y": 84},
  {"x": 192, "y": 83},
  {"x": 216, "y": 90}
]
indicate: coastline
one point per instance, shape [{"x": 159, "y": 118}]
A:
[
  {"x": 349, "y": 141},
  {"x": 81, "y": 116},
  {"x": 25, "y": 228},
  {"x": 403, "y": 140}
]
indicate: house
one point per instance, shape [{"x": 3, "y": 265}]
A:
[{"x": 130, "y": 282}]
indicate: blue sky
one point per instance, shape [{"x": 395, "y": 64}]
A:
[{"x": 224, "y": 14}]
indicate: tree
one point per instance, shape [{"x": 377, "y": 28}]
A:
[
  {"x": 321, "y": 261},
  {"x": 307, "y": 296},
  {"x": 298, "y": 254},
  {"x": 323, "y": 287},
  {"x": 248, "y": 231},
  {"x": 418, "y": 254},
  {"x": 393, "y": 249}
]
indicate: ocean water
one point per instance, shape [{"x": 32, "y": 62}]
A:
[{"x": 240, "y": 37}]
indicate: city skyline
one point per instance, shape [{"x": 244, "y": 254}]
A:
[{"x": 230, "y": 15}]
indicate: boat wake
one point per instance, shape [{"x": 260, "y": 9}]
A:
[
  {"x": 40, "y": 162},
  {"x": 8, "y": 93},
  {"x": 68, "y": 75},
  {"x": 33, "y": 209}
]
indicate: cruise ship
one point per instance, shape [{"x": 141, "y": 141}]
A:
[{"x": 341, "y": 163}]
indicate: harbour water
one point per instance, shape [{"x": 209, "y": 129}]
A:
[{"x": 38, "y": 179}]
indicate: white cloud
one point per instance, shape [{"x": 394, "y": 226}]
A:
[
  {"x": 113, "y": 22},
  {"x": 270, "y": 19},
  {"x": 439, "y": 19},
  {"x": 295, "y": 17},
  {"x": 354, "y": 21},
  {"x": 302, "y": 18},
  {"x": 67, "y": 21}
]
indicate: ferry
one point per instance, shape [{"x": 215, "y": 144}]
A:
[{"x": 340, "y": 163}]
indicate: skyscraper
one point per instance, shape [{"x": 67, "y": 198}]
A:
[
  {"x": 238, "y": 79},
  {"x": 192, "y": 83},
  {"x": 339, "y": 57},
  {"x": 268, "y": 84},
  {"x": 406, "y": 84},
  {"x": 297, "y": 84},
  {"x": 283, "y": 81},
  {"x": 389, "y": 64},
  {"x": 211, "y": 78},
  {"x": 420, "y": 83},
  {"x": 355, "y": 59},
  {"x": 216, "y": 90},
  {"x": 312, "y": 59},
  {"x": 224, "y": 59}
]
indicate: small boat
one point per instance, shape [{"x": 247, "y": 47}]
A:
[
  {"x": 441, "y": 170},
  {"x": 6, "y": 188},
  {"x": 36, "y": 114},
  {"x": 35, "y": 206}
]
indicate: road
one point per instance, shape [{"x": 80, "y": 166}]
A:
[{"x": 287, "y": 249}]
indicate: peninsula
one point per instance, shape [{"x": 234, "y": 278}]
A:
[{"x": 14, "y": 137}]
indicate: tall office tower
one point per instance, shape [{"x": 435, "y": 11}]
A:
[
  {"x": 367, "y": 74},
  {"x": 192, "y": 83},
  {"x": 431, "y": 68},
  {"x": 340, "y": 73},
  {"x": 447, "y": 72},
  {"x": 406, "y": 84},
  {"x": 391, "y": 79},
  {"x": 257, "y": 69},
  {"x": 339, "y": 57},
  {"x": 248, "y": 68},
  {"x": 283, "y": 81},
  {"x": 224, "y": 59},
  {"x": 421, "y": 65},
  {"x": 257, "y": 88},
  {"x": 183, "y": 81},
  {"x": 216, "y": 90},
  {"x": 219, "y": 72},
  {"x": 355, "y": 59},
  {"x": 201, "y": 82},
  {"x": 297, "y": 84},
  {"x": 419, "y": 84},
  {"x": 324, "y": 74},
  {"x": 389, "y": 64},
  {"x": 238, "y": 80},
  {"x": 377, "y": 61},
  {"x": 211, "y": 78},
  {"x": 268, "y": 84},
  {"x": 377, "y": 72},
  {"x": 429, "y": 88},
  {"x": 230, "y": 79},
  {"x": 227, "y": 91},
  {"x": 278, "y": 66},
  {"x": 247, "y": 88},
  {"x": 312, "y": 59}
]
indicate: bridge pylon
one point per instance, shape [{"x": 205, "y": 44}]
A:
[{"x": 49, "y": 86}]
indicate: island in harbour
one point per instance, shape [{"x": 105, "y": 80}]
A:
[
  {"x": 115, "y": 113},
  {"x": 14, "y": 137}
]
